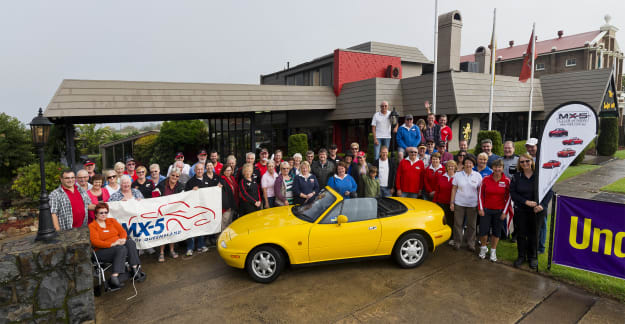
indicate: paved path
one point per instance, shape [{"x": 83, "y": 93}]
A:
[
  {"x": 451, "y": 286},
  {"x": 587, "y": 185}
]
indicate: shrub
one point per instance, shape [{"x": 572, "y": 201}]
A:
[
  {"x": 494, "y": 136},
  {"x": 16, "y": 147},
  {"x": 608, "y": 136},
  {"x": 298, "y": 143},
  {"x": 28, "y": 181},
  {"x": 519, "y": 147},
  {"x": 178, "y": 135},
  {"x": 144, "y": 148},
  {"x": 580, "y": 158},
  {"x": 97, "y": 158}
]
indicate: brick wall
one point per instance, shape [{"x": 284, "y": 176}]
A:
[{"x": 352, "y": 66}]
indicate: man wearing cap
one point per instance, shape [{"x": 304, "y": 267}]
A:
[
  {"x": 408, "y": 135},
  {"x": 202, "y": 157},
  {"x": 487, "y": 147},
  {"x": 89, "y": 166},
  {"x": 261, "y": 165},
  {"x": 130, "y": 168},
  {"x": 185, "y": 169},
  {"x": 531, "y": 146},
  {"x": 410, "y": 173},
  {"x": 442, "y": 150},
  {"x": 422, "y": 154},
  {"x": 381, "y": 128},
  {"x": 332, "y": 154}
]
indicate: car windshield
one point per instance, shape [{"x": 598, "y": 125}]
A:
[{"x": 312, "y": 209}]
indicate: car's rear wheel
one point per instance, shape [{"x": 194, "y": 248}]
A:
[
  {"x": 264, "y": 264},
  {"x": 410, "y": 250}
]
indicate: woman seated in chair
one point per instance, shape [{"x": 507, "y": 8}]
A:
[{"x": 109, "y": 239}]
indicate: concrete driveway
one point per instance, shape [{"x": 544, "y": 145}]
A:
[{"x": 451, "y": 286}]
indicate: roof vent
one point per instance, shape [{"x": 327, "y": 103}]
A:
[
  {"x": 586, "y": 43},
  {"x": 511, "y": 43},
  {"x": 560, "y": 33},
  {"x": 499, "y": 58},
  {"x": 553, "y": 49}
]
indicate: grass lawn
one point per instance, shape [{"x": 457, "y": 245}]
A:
[
  {"x": 616, "y": 186},
  {"x": 576, "y": 170},
  {"x": 620, "y": 154},
  {"x": 596, "y": 283}
]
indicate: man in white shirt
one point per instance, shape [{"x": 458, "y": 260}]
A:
[
  {"x": 381, "y": 128},
  {"x": 386, "y": 172}
]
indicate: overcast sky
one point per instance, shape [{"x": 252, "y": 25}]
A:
[{"x": 44, "y": 42}]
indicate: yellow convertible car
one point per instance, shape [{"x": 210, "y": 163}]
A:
[{"x": 330, "y": 228}]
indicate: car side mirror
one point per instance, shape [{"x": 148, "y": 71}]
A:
[{"x": 341, "y": 219}]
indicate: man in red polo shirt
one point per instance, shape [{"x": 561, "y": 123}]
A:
[
  {"x": 410, "y": 175},
  {"x": 69, "y": 203},
  {"x": 261, "y": 165},
  {"x": 214, "y": 157}
]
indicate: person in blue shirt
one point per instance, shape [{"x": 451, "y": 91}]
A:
[
  {"x": 343, "y": 183},
  {"x": 481, "y": 167},
  {"x": 430, "y": 147},
  {"x": 408, "y": 135},
  {"x": 155, "y": 171},
  {"x": 487, "y": 147}
]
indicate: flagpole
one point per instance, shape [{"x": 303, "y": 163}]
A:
[
  {"x": 492, "y": 71},
  {"x": 529, "y": 119},
  {"x": 435, "y": 56}
]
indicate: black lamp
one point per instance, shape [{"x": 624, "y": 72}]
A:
[
  {"x": 40, "y": 129},
  {"x": 394, "y": 117}
]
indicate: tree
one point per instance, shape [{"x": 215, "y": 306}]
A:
[
  {"x": 298, "y": 143},
  {"x": 607, "y": 144},
  {"x": 15, "y": 146},
  {"x": 187, "y": 136},
  {"x": 494, "y": 136},
  {"x": 90, "y": 138}
]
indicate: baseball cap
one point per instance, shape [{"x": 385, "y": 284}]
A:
[
  {"x": 179, "y": 154},
  {"x": 408, "y": 116},
  {"x": 202, "y": 152},
  {"x": 361, "y": 154},
  {"x": 130, "y": 158},
  {"x": 89, "y": 162},
  {"x": 442, "y": 144},
  {"x": 264, "y": 150},
  {"x": 333, "y": 147},
  {"x": 532, "y": 142},
  {"x": 421, "y": 145}
]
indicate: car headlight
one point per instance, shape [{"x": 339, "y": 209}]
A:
[{"x": 223, "y": 244}]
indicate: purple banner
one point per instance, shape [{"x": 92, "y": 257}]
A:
[{"x": 590, "y": 235}]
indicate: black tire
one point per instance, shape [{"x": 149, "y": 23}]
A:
[
  {"x": 264, "y": 264},
  {"x": 410, "y": 250}
]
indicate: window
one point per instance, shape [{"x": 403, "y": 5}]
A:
[
  {"x": 360, "y": 209},
  {"x": 311, "y": 210},
  {"x": 332, "y": 215},
  {"x": 540, "y": 66},
  {"x": 570, "y": 62}
]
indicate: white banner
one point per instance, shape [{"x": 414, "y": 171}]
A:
[
  {"x": 568, "y": 130},
  {"x": 157, "y": 221}
]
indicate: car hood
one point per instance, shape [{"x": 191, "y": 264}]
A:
[{"x": 265, "y": 219}]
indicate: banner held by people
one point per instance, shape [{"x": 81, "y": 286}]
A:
[
  {"x": 568, "y": 130},
  {"x": 168, "y": 219},
  {"x": 588, "y": 240}
]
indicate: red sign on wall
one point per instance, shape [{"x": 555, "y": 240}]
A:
[{"x": 354, "y": 66}]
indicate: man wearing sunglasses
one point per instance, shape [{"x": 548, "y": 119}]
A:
[
  {"x": 408, "y": 135},
  {"x": 131, "y": 165},
  {"x": 381, "y": 128},
  {"x": 69, "y": 203}
]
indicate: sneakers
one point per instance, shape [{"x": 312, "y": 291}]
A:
[
  {"x": 493, "y": 255},
  {"x": 189, "y": 252},
  {"x": 483, "y": 251},
  {"x": 451, "y": 242},
  {"x": 203, "y": 249}
]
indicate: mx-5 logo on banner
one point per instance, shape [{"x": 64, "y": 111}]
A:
[{"x": 573, "y": 118}]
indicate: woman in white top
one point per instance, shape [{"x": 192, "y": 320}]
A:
[
  {"x": 463, "y": 203},
  {"x": 267, "y": 182},
  {"x": 113, "y": 185}
]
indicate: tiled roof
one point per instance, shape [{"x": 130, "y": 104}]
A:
[{"x": 563, "y": 43}]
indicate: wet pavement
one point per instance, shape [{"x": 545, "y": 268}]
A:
[
  {"x": 451, "y": 286},
  {"x": 588, "y": 185}
]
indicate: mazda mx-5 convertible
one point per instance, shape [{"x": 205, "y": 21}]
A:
[{"x": 330, "y": 228}]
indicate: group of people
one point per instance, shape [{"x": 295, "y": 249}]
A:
[{"x": 464, "y": 186}]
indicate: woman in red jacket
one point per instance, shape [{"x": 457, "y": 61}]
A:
[
  {"x": 109, "y": 239},
  {"x": 410, "y": 173},
  {"x": 432, "y": 173},
  {"x": 493, "y": 205},
  {"x": 442, "y": 193}
]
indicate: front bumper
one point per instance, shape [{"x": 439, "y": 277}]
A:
[{"x": 233, "y": 258}]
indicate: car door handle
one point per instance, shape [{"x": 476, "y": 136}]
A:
[{"x": 371, "y": 228}]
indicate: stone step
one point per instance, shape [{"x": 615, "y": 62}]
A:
[{"x": 564, "y": 305}]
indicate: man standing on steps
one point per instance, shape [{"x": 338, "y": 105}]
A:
[{"x": 381, "y": 128}]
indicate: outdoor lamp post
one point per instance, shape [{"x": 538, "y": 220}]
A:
[
  {"x": 394, "y": 120},
  {"x": 40, "y": 129}
]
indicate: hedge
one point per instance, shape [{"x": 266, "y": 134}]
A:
[
  {"x": 494, "y": 136},
  {"x": 580, "y": 158},
  {"x": 28, "y": 181},
  {"x": 608, "y": 136},
  {"x": 298, "y": 143}
]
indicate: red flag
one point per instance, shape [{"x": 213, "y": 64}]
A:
[{"x": 526, "y": 70}]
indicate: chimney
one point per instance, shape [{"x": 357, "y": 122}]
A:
[
  {"x": 482, "y": 58},
  {"x": 560, "y": 33},
  {"x": 449, "y": 32},
  {"x": 511, "y": 43}
]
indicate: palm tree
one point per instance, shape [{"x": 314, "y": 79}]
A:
[{"x": 90, "y": 138}]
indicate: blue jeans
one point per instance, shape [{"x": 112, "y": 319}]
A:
[
  {"x": 191, "y": 243},
  {"x": 385, "y": 191},
  {"x": 410, "y": 195},
  {"x": 381, "y": 141},
  {"x": 542, "y": 238}
]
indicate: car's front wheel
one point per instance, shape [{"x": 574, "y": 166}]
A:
[
  {"x": 264, "y": 264},
  {"x": 410, "y": 250}
]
